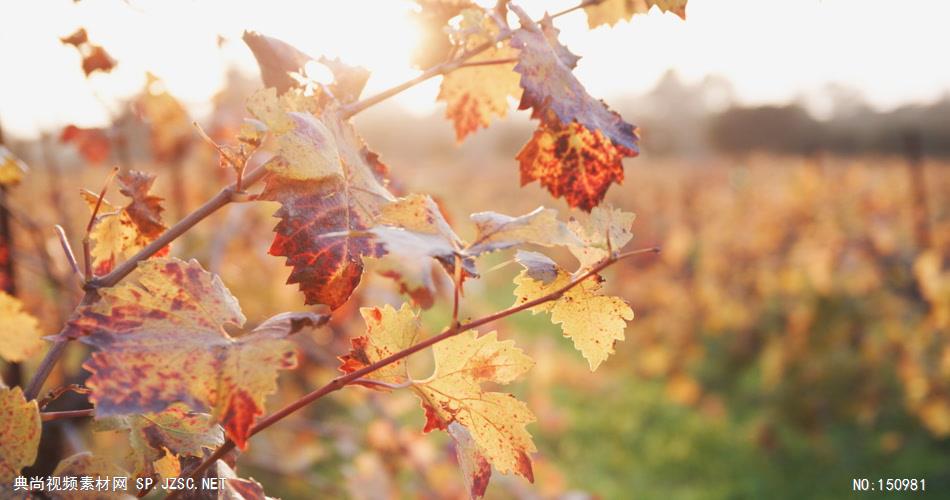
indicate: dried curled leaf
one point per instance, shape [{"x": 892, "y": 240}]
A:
[
  {"x": 498, "y": 231},
  {"x": 93, "y": 143},
  {"x": 161, "y": 340},
  {"x": 606, "y": 230},
  {"x": 453, "y": 394},
  {"x": 475, "y": 93},
  {"x": 578, "y": 147},
  {"x": 118, "y": 233},
  {"x": 610, "y": 12},
  {"x": 20, "y": 429},
  {"x": 20, "y": 336},
  {"x": 12, "y": 168},
  {"x": 594, "y": 322}
]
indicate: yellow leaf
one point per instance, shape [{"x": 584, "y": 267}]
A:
[
  {"x": 11, "y": 168},
  {"x": 20, "y": 429},
  {"x": 87, "y": 464},
  {"x": 495, "y": 420},
  {"x": 594, "y": 322},
  {"x": 474, "y": 94},
  {"x": 607, "y": 229},
  {"x": 610, "y": 12},
  {"x": 20, "y": 336},
  {"x": 388, "y": 331}
]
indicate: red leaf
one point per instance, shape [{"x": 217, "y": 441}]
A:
[{"x": 92, "y": 143}]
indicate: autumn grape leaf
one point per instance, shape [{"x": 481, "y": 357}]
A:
[
  {"x": 537, "y": 266},
  {"x": 161, "y": 340},
  {"x": 476, "y": 471},
  {"x": 170, "y": 128},
  {"x": 20, "y": 337},
  {"x": 118, "y": 233},
  {"x": 453, "y": 394},
  {"x": 607, "y": 230},
  {"x": 388, "y": 331},
  {"x": 12, "y": 168},
  {"x": 173, "y": 432},
  {"x": 87, "y": 464},
  {"x": 498, "y": 231},
  {"x": 593, "y": 321},
  {"x": 92, "y": 143},
  {"x": 324, "y": 218},
  {"x": 610, "y": 12},
  {"x": 20, "y": 429},
  {"x": 475, "y": 93},
  {"x": 432, "y": 19},
  {"x": 577, "y": 149}
]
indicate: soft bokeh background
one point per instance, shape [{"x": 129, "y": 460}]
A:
[{"x": 793, "y": 335}]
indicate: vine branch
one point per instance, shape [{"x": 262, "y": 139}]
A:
[{"x": 453, "y": 330}]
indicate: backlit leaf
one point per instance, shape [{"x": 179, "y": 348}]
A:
[
  {"x": 610, "y": 12},
  {"x": 20, "y": 429},
  {"x": 388, "y": 331},
  {"x": 606, "y": 230},
  {"x": 161, "y": 340},
  {"x": 432, "y": 18},
  {"x": 476, "y": 471},
  {"x": 118, "y": 233},
  {"x": 475, "y": 93},
  {"x": 593, "y": 321},
  {"x": 577, "y": 149},
  {"x": 20, "y": 337},
  {"x": 498, "y": 231}
]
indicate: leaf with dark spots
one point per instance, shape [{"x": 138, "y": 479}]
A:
[
  {"x": 20, "y": 429},
  {"x": 578, "y": 147},
  {"x": 151, "y": 356},
  {"x": 145, "y": 209},
  {"x": 324, "y": 219},
  {"x": 453, "y": 394}
]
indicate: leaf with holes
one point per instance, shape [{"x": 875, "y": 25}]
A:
[
  {"x": 610, "y": 12},
  {"x": 479, "y": 91},
  {"x": 161, "y": 340},
  {"x": 593, "y": 321},
  {"x": 20, "y": 429}
]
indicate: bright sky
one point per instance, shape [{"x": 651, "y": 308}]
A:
[{"x": 894, "y": 52}]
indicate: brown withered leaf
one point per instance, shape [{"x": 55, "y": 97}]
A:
[
  {"x": 498, "y": 231},
  {"x": 20, "y": 429},
  {"x": 76, "y": 39},
  {"x": 93, "y": 143},
  {"x": 578, "y": 147},
  {"x": 118, "y": 233},
  {"x": 610, "y": 12},
  {"x": 276, "y": 59},
  {"x": 324, "y": 219},
  {"x": 432, "y": 19},
  {"x": 453, "y": 394},
  {"x": 475, "y": 93},
  {"x": 95, "y": 58},
  {"x": 161, "y": 340}
]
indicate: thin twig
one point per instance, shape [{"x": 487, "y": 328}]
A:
[
  {"x": 86, "y": 242},
  {"x": 57, "y": 415},
  {"x": 587, "y": 3},
  {"x": 349, "y": 378},
  {"x": 457, "y": 285},
  {"x": 489, "y": 62},
  {"x": 68, "y": 250},
  {"x": 59, "y": 391}
]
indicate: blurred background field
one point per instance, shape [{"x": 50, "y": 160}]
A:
[{"x": 794, "y": 333}]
